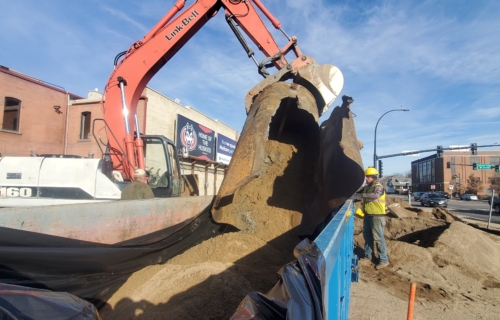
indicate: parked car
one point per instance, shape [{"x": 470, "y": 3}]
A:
[
  {"x": 444, "y": 194},
  {"x": 496, "y": 205},
  {"x": 416, "y": 195},
  {"x": 468, "y": 197},
  {"x": 433, "y": 200}
]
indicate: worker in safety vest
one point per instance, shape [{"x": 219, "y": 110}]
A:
[{"x": 373, "y": 203}]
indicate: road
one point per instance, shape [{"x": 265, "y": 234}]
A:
[{"x": 472, "y": 210}]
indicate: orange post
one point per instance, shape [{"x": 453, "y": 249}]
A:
[{"x": 413, "y": 288}]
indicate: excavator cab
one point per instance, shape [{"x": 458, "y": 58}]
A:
[{"x": 162, "y": 166}]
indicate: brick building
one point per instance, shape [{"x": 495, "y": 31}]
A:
[
  {"x": 32, "y": 114},
  {"x": 432, "y": 170},
  {"x": 45, "y": 119}
]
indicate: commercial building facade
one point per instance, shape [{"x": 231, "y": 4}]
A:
[
  {"x": 433, "y": 170},
  {"x": 40, "y": 118}
]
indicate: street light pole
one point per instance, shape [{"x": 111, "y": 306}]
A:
[{"x": 375, "y": 136}]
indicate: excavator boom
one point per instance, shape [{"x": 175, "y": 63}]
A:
[
  {"x": 146, "y": 57},
  {"x": 286, "y": 104}
]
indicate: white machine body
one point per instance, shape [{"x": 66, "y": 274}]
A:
[{"x": 37, "y": 181}]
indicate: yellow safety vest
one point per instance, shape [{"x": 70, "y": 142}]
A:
[{"x": 374, "y": 206}]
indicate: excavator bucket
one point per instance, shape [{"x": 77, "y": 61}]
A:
[
  {"x": 339, "y": 170},
  {"x": 285, "y": 161}
]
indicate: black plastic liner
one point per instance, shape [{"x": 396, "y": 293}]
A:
[
  {"x": 89, "y": 270},
  {"x": 22, "y": 303},
  {"x": 296, "y": 296}
]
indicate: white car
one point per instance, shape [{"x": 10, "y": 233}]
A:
[{"x": 468, "y": 197}]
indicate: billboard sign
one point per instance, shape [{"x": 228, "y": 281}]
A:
[
  {"x": 193, "y": 139},
  {"x": 225, "y": 149}
]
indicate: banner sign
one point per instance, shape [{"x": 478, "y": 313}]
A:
[
  {"x": 225, "y": 149},
  {"x": 194, "y": 139}
]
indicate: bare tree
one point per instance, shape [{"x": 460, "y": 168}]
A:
[
  {"x": 474, "y": 184},
  {"x": 384, "y": 180},
  {"x": 495, "y": 183},
  {"x": 458, "y": 188}
]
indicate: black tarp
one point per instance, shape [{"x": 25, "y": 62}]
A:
[
  {"x": 90, "y": 270},
  {"x": 296, "y": 296},
  {"x": 22, "y": 303}
]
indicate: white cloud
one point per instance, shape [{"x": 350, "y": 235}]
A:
[
  {"x": 123, "y": 16},
  {"x": 392, "y": 37},
  {"x": 492, "y": 112}
]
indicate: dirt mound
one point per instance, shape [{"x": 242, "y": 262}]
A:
[
  {"x": 443, "y": 214},
  {"x": 419, "y": 231},
  {"x": 391, "y": 200},
  {"x": 210, "y": 280},
  {"x": 455, "y": 267}
]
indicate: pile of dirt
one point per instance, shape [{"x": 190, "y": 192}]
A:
[
  {"x": 391, "y": 200},
  {"x": 455, "y": 267},
  {"x": 210, "y": 280}
]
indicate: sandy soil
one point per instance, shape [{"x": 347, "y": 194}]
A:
[
  {"x": 210, "y": 280},
  {"x": 454, "y": 265}
]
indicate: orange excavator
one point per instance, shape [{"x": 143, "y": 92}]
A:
[
  {"x": 146, "y": 57},
  {"x": 274, "y": 106},
  {"x": 111, "y": 239},
  {"x": 314, "y": 88}
]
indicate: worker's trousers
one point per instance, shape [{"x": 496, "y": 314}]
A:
[{"x": 373, "y": 232}]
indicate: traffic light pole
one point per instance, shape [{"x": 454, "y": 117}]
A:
[
  {"x": 375, "y": 158},
  {"x": 439, "y": 150},
  {"x": 431, "y": 150}
]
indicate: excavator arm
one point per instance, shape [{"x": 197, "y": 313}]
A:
[
  {"x": 285, "y": 105},
  {"x": 146, "y": 57}
]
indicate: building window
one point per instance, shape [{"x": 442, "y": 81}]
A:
[
  {"x": 421, "y": 172},
  {"x": 453, "y": 169},
  {"x": 11, "y": 114},
  {"x": 474, "y": 160},
  {"x": 85, "y": 125},
  {"x": 433, "y": 170},
  {"x": 495, "y": 160}
]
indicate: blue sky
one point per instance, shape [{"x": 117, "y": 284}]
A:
[{"x": 440, "y": 59}]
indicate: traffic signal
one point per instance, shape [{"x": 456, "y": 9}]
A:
[
  {"x": 439, "y": 151},
  {"x": 448, "y": 165},
  {"x": 380, "y": 168},
  {"x": 474, "y": 166},
  {"x": 496, "y": 168},
  {"x": 473, "y": 149}
]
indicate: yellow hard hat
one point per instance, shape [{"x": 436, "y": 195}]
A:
[
  {"x": 371, "y": 171},
  {"x": 360, "y": 213}
]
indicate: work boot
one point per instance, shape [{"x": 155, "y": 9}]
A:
[{"x": 381, "y": 265}]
